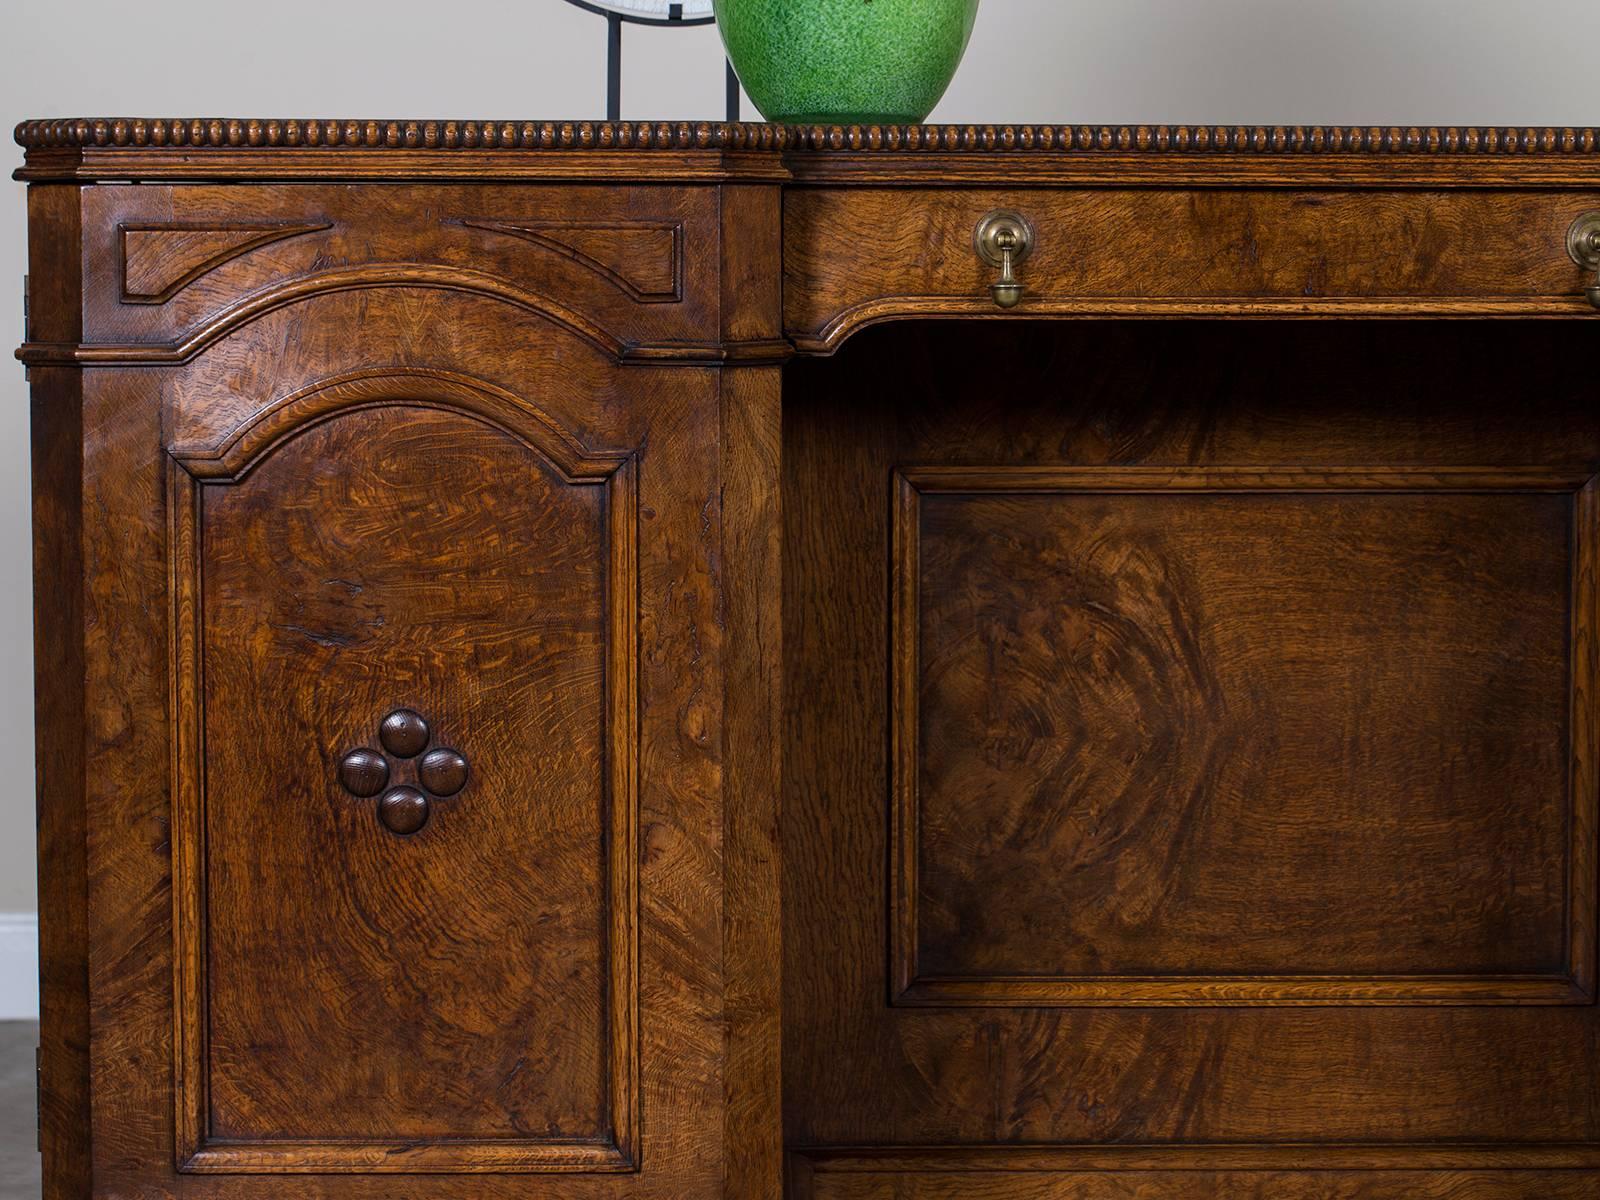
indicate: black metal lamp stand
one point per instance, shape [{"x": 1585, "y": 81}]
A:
[{"x": 615, "y": 20}]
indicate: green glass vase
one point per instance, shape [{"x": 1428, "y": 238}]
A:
[{"x": 846, "y": 62}]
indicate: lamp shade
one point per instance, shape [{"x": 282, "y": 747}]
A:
[{"x": 697, "y": 12}]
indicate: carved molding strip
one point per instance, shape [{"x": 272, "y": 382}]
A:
[
  {"x": 882, "y": 310},
  {"x": 220, "y": 132},
  {"x": 236, "y": 453},
  {"x": 237, "y": 133},
  {"x": 1016, "y": 1164}
]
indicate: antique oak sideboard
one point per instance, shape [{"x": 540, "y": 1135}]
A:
[{"x": 609, "y": 661}]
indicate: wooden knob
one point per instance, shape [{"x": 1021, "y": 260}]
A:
[
  {"x": 404, "y": 733},
  {"x": 443, "y": 772},
  {"x": 403, "y": 810},
  {"x": 364, "y": 772}
]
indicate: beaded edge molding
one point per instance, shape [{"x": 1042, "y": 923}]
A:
[{"x": 235, "y": 133}]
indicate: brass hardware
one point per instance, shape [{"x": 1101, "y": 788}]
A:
[
  {"x": 1583, "y": 244},
  {"x": 1004, "y": 239}
]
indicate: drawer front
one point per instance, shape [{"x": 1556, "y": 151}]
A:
[{"x": 855, "y": 257}]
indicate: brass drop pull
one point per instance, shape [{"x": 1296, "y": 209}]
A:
[
  {"x": 1004, "y": 239},
  {"x": 1583, "y": 244}
]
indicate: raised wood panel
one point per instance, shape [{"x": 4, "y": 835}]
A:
[
  {"x": 160, "y": 260},
  {"x": 857, "y": 256},
  {"x": 1254, "y": 736},
  {"x": 642, "y": 260},
  {"x": 463, "y": 998},
  {"x": 173, "y": 270}
]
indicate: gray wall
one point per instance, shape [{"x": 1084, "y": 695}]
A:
[{"x": 1212, "y": 61}]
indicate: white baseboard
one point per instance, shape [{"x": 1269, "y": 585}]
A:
[{"x": 19, "y": 967}]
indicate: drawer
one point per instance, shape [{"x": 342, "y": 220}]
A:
[{"x": 856, "y": 256}]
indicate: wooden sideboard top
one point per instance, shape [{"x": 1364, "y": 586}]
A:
[
  {"x": 89, "y": 149},
  {"x": 874, "y": 224}
]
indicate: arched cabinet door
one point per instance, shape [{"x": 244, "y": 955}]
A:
[
  {"x": 409, "y": 648},
  {"x": 405, "y": 812}
]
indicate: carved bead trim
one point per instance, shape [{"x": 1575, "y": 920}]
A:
[
  {"x": 1168, "y": 139},
  {"x": 406, "y": 808},
  {"x": 195, "y": 133},
  {"x": 225, "y": 133}
]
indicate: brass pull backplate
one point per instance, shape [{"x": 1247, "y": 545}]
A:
[
  {"x": 1583, "y": 244},
  {"x": 1004, "y": 239}
]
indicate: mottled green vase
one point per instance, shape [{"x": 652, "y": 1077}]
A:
[{"x": 846, "y": 62}]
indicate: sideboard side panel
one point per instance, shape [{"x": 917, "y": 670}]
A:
[{"x": 56, "y": 419}]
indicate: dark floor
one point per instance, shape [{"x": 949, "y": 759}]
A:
[{"x": 19, "y": 1164}]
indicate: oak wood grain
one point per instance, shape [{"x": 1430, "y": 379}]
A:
[
  {"x": 57, "y": 457},
  {"x": 507, "y": 617}
]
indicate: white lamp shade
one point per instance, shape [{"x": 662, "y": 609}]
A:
[{"x": 657, "y": 9}]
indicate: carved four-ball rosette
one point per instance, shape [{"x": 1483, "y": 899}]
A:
[{"x": 439, "y": 773}]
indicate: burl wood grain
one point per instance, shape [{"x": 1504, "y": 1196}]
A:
[
  {"x": 1227, "y": 659},
  {"x": 1160, "y": 726}
]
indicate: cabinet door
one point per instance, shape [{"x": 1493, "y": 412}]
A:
[
  {"x": 405, "y": 647},
  {"x": 398, "y": 678}
]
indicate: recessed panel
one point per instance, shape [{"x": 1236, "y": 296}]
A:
[
  {"x": 410, "y": 924},
  {"x": 1261, "y": 737}
]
